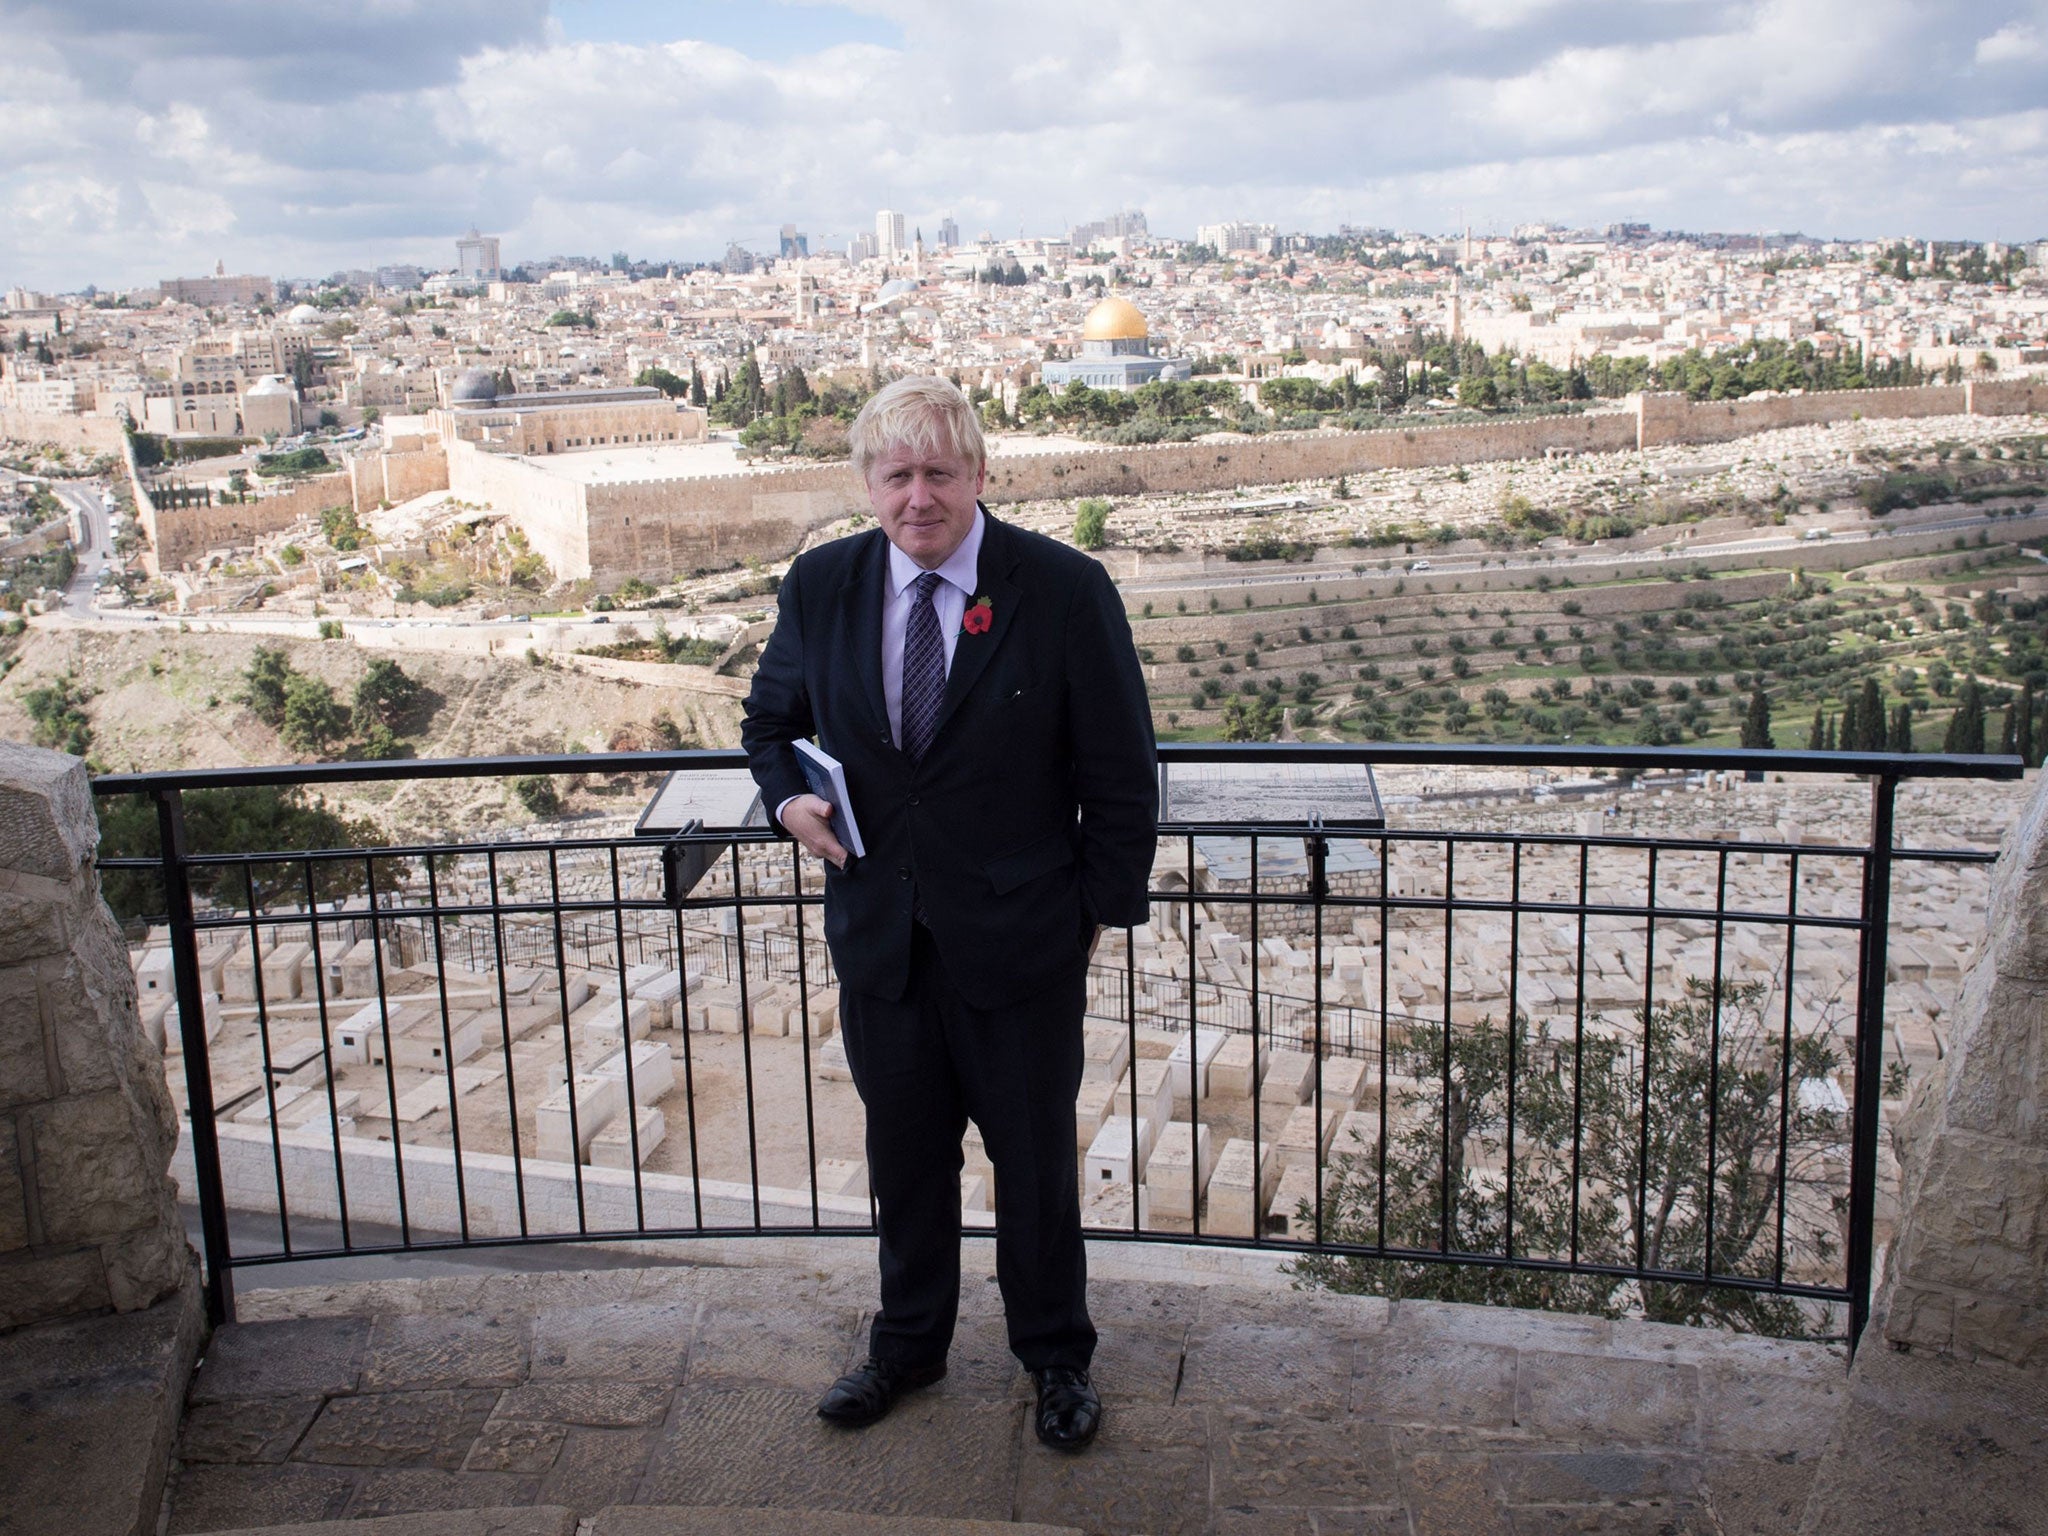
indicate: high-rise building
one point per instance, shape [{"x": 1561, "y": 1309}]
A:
[
  {"x": 949, "y": 232},
  {"x": 861, "y": 248},
  {"x": 738, "y": 259},
  {"x": 476, "y": 258},
  {"x": 1125, "y": 224},
  {"x": 794, "y": 242},
  {"x": 889, "y": 235},
  {"x": 1236, "y": 236}
]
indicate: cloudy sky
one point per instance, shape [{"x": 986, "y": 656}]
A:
[{"x": 148, "y": 138}]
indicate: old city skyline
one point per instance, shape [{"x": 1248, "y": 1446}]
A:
[{"x": 143, "y": 146}]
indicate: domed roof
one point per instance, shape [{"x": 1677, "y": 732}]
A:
[
  {"x": 1114, "y": 320},
  {"x": 302, "y": 314},
  {"x": 475, "y": 384},
  {"x": 269, "y": 384}
]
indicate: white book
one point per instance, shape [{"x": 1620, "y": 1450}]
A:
[{"x": 827, "y": 780}]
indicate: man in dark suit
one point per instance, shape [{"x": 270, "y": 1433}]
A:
[{"x": 979, "y": 685}]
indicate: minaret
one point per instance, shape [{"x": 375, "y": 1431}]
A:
[
  {"x": 917, "y": 259},
  {"x": 1457, "y": 309}
]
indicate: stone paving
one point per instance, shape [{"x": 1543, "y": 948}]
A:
[{"x": 1230, "y": 1409}]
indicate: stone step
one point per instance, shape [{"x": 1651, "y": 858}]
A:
[{"x": 660, "y": 1520}]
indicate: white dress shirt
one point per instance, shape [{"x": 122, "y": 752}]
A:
[{"x": 949, "y": 602}]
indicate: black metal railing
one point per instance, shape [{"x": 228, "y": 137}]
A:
[{"x": 1642, "y": 1066}]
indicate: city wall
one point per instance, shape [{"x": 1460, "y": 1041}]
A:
[
  {"x": 394, "y": 477},
  {"x": 549, "y": 509},
  {"x": 103, "y": 434},
  {"x": 179, "y": 534},
  {"x": 655, "y": 529}
]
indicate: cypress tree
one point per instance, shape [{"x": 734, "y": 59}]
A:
[
  {"x": 1870, "y": 718},
  {"x": 1817, "y": 737},
  {"x": 1852, "y": 724},
  {"x": 2008, "y": 735},
  {"x": 1829, "y": 745},
  {"x": 1902, "y": 729},
  {"x": 1966, "y": 725},
  {"x": 2025, "y": 733},
  {"x": 1756, "y": 725}
]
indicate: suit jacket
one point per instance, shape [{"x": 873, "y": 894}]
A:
[{"x": 1033, "y": 815}]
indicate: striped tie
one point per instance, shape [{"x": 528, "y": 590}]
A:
[{"x": 924, "y": 669}]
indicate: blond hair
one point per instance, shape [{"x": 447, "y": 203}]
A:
[{"x": 921, "y": 412}]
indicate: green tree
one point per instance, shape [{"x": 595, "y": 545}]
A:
[
  {"x": 1091, "y": 520},
  {"x": 257, "y": 819},
  {"x": 1901, "y": 737},
  {"x": 268, "y": 675},
  {"x": 1630, "y": 1142},
  {"x": 386, "y": 696},
  {"x": 1966, "y": 726},
  {"x": 313, "y": 717},
  {"x": 57, "y": 711},
  {"x": 660, "y": 378},
  {"x": 539, "y": 793},
  {"x": 1251, "y": 718},
  {"x": 1756, "y": 724}
]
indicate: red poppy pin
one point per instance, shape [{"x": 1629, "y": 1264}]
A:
[{"x": 978, "y": 618}]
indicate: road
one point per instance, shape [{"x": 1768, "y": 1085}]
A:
[{"x": 95, "y": 552}]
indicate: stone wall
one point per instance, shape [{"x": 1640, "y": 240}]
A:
[
  {"x": 548, "y": 509},
  {"x": 100, "y": 433},
  {"x": 1969, "y": 1267},
  {"x": 181, "y": 534},
  {"x": 87, "y": 1219},
  {"x": 1669, "y": 418}
]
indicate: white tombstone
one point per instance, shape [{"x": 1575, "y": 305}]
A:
[
  {"x": 1295, "y": 1186},
  {"x": 1105, "y": 1052},
  {"x": 612, "y": 1147},
  {"x": 1302, "y": 1142},
  {"x": 598, "y": 1099},
  {"x": 1240, "y": 1188},
  {"x": 654, "y": 1070},
  {"x": 832, "y": 1067},
  {"x": 1154, "y": 1088},
  {"x": 842, "y": 1176},
  {"x": 1230, "y": 1069},
  {"x": 1178, "y": 1170},
  {"x": 604, "y": 1015},
  {"x": 1091, "y": 1108},
  {"x": 1287, "y": 1078},
  {"x": 1189, "y": 1063},
  {"x": 1108, "y": 1160},
  {"x": 1344, "y": 1079}
]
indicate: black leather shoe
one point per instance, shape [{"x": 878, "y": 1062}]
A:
[
  {"x": 1069, "y": 1411},
  {"x": 871, "y": 1388}
]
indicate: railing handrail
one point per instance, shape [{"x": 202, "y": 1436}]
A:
[{"x": 1894, "y": 765}]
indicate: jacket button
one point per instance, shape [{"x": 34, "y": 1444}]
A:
[
  {"x": 903, "y": 872},
  {"x": 913, "y": 799}
]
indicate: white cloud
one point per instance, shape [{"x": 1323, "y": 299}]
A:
[
  {"x": 2017, "y": 42},
  {"x": 383, "y": 129}
]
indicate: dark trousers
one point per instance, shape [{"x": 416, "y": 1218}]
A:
[{"x": 925, "y": 1066}]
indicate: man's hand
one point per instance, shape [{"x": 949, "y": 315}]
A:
[{"x": 808, "y": 819}]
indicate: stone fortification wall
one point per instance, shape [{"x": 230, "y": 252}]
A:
[
  {"x": 549, "y": 509},
  {"x": 394, "y": 477},
  {"x": 1670, "y": 418},
  {"x": 671, "y": 526},
  {"x": 1969, "y": 1267},
  {"x": 100, "y": 433},
  {"x": 180, "y": 534},
  {"x": 1283, "y": 456},
  {"x": 2018, "y": 396},
  {"x": 87, "y": 1221}
]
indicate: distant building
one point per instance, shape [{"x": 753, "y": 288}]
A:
[
  {"x": 220, "y": 290},
  {"x": 861, "y": 248},
  {"x": 476, "y": 258},
  {"x": 794, "y": 242},
  {"x": 1127, "y": 224},
  {"x": 561, "y": 421},
  {"x": 1225, "y": 239},
  {"x": 400, "y": 278},
  {"x": 1116, "y": 353},
  {"x": 738, "y": 260},
  {"x": 889, "y": 235},
  {"x": 949, "y": 232}
]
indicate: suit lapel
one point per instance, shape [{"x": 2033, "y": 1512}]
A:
[
  {"x": 860, "y": 637},
  {"x": 995, "y": 579}
]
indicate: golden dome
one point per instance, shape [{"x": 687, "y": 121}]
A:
[{"x": 1114, "y": 320}]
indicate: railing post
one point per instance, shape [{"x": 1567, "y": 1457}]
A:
[
  {"x": 213, "y": 1214},
  {"x": 1877, "y": 914}
]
